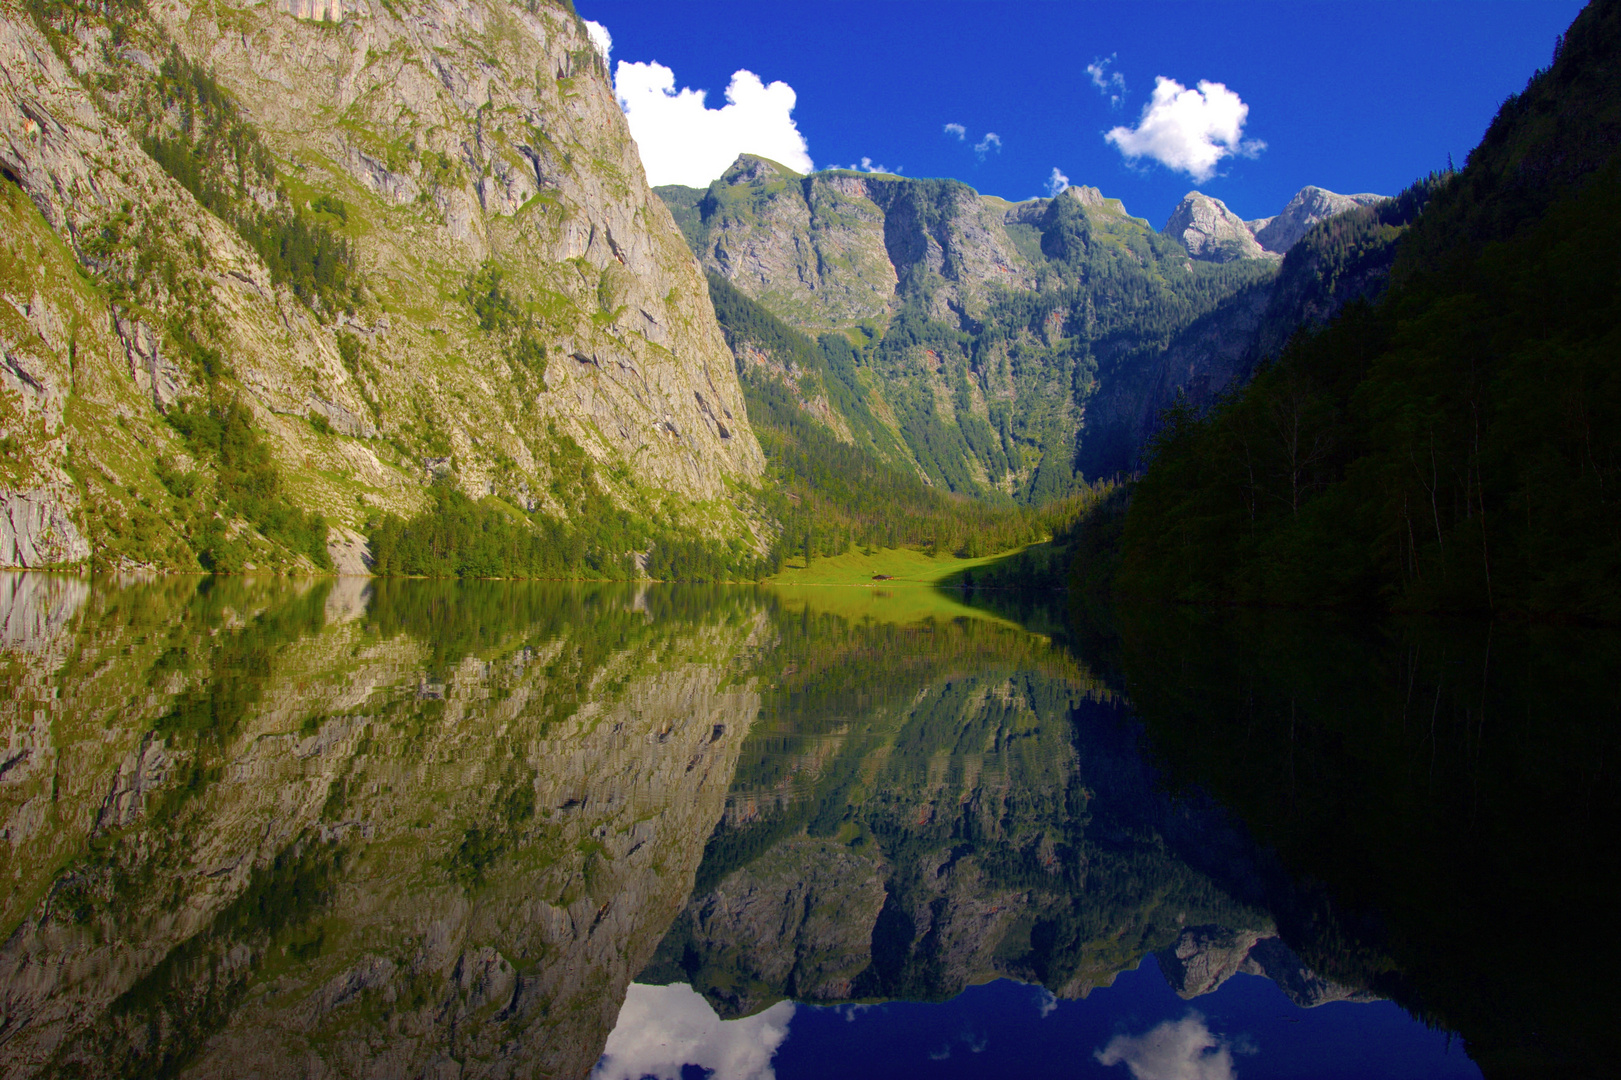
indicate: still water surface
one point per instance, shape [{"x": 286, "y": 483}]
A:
[{"x": 408, "y": 829}]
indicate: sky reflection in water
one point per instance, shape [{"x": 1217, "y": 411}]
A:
[{"x": 1137, "y": 1028}]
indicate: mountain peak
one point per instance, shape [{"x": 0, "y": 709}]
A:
[
  {"x": 1086, "y": 196},
  {"x": 749, "y": 167},
  {"x": 1310, "y": 205},
  {"x": 1210, "y": 231}
]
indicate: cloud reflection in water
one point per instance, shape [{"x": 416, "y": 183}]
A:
[
  {"x": 662, "y": 1028},
  {"x": 1182, "y": 1049}
]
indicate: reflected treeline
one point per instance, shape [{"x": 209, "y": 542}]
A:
[
  {"x": 925, "y": 807},
  {"x": 349, "y": 828},
  {"x": 1441, "y": 800}
]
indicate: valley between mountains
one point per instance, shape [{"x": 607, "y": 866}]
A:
[{"x": 382, "y": 288}]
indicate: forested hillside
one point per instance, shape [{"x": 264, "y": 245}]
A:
[
  {"x": 832, "y": 480},
  {"x": 979, "y": 332},
  {"x": 1455, "y": 446}
]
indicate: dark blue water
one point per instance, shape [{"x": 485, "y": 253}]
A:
[
  {"x": 1138, "y": 1027},
  {"x": 1247, "y": 1027}
]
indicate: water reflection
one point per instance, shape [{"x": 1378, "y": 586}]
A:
[
  {"x": 408, "y": 828},
  {"x": 1439, "y": 803},
  {"x": 250, "y": 827}
]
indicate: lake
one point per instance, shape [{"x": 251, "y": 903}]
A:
[{"x": 264, "y": 828}]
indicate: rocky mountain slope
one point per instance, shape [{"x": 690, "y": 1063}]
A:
[
  {"x": 1006, "y": 349},
  {"x": 1309, "y": 206},
  {"x": 270, "y": 268}
]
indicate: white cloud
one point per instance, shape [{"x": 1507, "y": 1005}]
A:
[
  {"x": 1055, "y": 183},
  {"x": 1188, "y": 130},
  {"x": 600, "y": 38},
  {"x": 1182, "y": 1049},
  {"x": 866, "y": 165},
  {"x": 991, "y": 141},
  {"x": 662, "y": 1028},
  {"x": 1111, "y": 84},
  {"x": 956, "y": 130},
  {"x": 682, "y": 141},
  {"x": 1046, "y": 1001}
]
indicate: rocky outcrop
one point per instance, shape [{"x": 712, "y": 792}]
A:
[
  {"x": 37, "y": 529},
  {"x": 1309, "y": 206},
  {"x": 1205, "y": 957},
  {"x": 1210, "y": 231}
]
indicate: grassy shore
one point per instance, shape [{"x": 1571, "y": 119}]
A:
[
  {"x": 902, "y": 566},
  {"x": 910, "y": 592}
]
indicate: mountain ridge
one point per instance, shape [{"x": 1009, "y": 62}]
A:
[{"x": 1019, "y": 348}]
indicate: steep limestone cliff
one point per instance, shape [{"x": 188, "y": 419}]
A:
[
  {"x": 409, "y": 239},
  {"x": 1309, "y": 206}
]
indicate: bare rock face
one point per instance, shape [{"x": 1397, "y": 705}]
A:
[
  {"x": 1205, "y": 957},
  {"x": 1210, "y": 231},
  {"x": 456, "y": 138},
  {"x": 1309, "y": 206},
  {"x": 837, "y": 247},
  {"x": 37, "y": 529}
]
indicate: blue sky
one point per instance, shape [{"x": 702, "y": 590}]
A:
[{"x": 1349, "y": 96}]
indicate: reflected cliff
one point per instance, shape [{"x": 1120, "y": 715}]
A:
[
  {"x": 380, "y": 829},
  {"x": 924, "y": 808}
]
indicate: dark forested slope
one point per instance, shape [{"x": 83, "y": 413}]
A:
[{"x": 1457, "y": 445}]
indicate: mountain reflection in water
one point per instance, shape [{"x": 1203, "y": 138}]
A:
[{"x": 351, "y": 828}]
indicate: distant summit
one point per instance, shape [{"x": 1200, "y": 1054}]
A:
[
  {"x": 1309, "y": 206},
  {"x": 1210, "y": 231}
]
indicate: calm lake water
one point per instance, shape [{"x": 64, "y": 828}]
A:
[{"x": 420, "y": 829}]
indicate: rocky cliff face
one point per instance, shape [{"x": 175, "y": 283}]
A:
[
  {"x": 1204, "y": 957},
  {"x": 1208, "y": 230},
  {"x": 1309, "y": 206},
  {"x": 244, "y": 827},
  {"x": 1006, "y": 348},
  {"x": 511, "y": 284},
  {"x": 839, "y": 248}
]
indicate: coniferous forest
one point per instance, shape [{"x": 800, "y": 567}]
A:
[{"x": 1455, "y": 445}]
